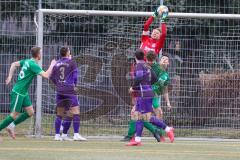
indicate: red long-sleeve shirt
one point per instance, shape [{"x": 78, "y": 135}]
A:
[{"x": 149, "y": 44}]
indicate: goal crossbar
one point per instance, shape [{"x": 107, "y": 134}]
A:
[{"x": 137, "y": 14}]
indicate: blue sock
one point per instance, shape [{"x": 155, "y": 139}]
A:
[
  {"x": 155, "y": 121},
  {"x": 139, "y": 128},
  {"x": 67, "y": 124}
]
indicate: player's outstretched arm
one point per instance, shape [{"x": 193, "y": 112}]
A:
[
  {"x": 164, "y": 14},
  {"x": 13, "y": 67},
  {"x": 166, "y": 97},
  {"x": 161, "y": 41},
  {"x": 47, "y": 74},
  {"x": 148, "y": 23},
  {"x": 163, "y": 19},
  {"x": 146, "y": 32}
]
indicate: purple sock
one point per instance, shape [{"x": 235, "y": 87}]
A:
[
  {"x": 58, "y": 122},
  {"x": 67, "y": 124},
  {"x": 76, "y": 123},
  {"x": 139, "y": 128},
  {"x": 157, "y": 122}
]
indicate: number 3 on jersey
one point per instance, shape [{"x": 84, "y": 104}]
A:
[{"x": 62, "y": 73}]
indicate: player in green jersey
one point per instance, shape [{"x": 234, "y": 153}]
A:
[
  {"x": 19, "y": 95},
  {"x": 160, "y": 87}
]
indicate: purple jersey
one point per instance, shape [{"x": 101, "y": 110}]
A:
[
  {"x": 64, "y": 76},
  {"x": 143, "y": 79}
]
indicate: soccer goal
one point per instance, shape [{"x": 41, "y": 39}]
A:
[{"x": 204, "y": 68}]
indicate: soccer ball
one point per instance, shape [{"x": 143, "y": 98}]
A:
[{"x": 163, "y": 10}]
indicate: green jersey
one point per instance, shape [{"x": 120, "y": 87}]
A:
[
  {"x": 163, "y": 79},
  {"x": 29, "y": 70}
]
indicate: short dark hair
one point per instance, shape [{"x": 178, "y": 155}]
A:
[
  {"x": 165, "y": 54},
  {"x": 139, "y": 54},
  {"x": 63, "y": 51},
  {"x": 151, "y": 56},
  {"x": 35, "y": 51}
]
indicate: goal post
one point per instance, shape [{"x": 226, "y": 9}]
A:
[
  {"x": 103, "y": 42},
  {"x": 39, "y": 39}
]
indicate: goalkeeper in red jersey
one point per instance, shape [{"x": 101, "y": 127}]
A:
[{"x": 156, "y": 41}]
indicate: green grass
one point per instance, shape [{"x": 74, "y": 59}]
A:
[
  {"x": 92, "y": 128},
  {"x": 46, "y": 149}
]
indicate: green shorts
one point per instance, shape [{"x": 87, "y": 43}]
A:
[
  {"x": 156, "y": 102},
  {"x": 18, "y": 102}
]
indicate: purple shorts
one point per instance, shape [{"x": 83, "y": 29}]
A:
[
  {"x": 144, "y": 105},
  {"x": 66, "y": 101}
]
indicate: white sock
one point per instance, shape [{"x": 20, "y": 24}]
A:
[
  {"x": 57, "y": 135},
  {"x": 64, "y": 135},
  {"x": 76, "y": 134},
  {"x": 11, "y": 126},
  {"x": 138, "y": 139},
  {"x": 61, "y": 128},
  {"x": 167, "y": 129}
]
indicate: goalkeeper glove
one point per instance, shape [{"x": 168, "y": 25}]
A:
[{"x": 163, "y": 18}]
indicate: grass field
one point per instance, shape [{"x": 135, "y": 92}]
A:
[{"x": 46, "y": 149}]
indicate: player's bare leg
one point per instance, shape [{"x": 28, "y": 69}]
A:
[
  {"x": 8, "y": 120},
  {"x": 10, "y": 131},
  {"x": 29, "y": 111},
  {"x": 159, "y": 113}
]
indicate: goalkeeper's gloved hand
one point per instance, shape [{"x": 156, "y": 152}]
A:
[{"x": 164, "y": 16}]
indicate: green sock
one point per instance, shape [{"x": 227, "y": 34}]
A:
[
  {"x": 161, "y": 132},
  {"x": 6, "y": 122},
  {"x": 22, "y": 117},
  {"x": 149, "y": 126},
  {"x": 132, "y": 128}
]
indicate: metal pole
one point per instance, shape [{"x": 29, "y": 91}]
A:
[
  {"x": 161, "y": 2},
  {"x": 39, "y": 4},
  {"x": 38, "y": 124}
]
